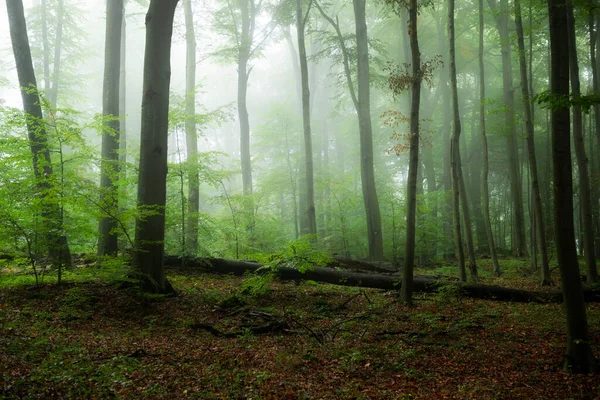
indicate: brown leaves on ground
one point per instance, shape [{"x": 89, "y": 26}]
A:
[{"x": 98, "y": 341}]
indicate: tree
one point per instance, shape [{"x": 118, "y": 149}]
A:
[
  {"x": 585, "y": 199},
  {"x": 458, "y": 186},
  {"x": 54, "y": 236},
  {"x": 413, "y": 165},
  {"x": 362, "y": 104},
  {"x": 533, "y": 170},
  {"x": 367, "y": 169},
  {"x": 579, "y": 357},
  {"x": 301, "y": 19},
  {"x": 109, "y": 170},
  {"x": 191, "y": 135},
  {"x": 501, "y": 14},
  {"x": 485, "y": 193},
  {"x": 150, "y": 224}
]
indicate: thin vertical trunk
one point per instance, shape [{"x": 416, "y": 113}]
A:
[
  {"x": 485, "y": 193},
  {"x": 301, "y": 18},
  {"x": 123, "y": 94},
  {"x": 533, "y": 172},
  {"x": 366, "y": 136},
  {"x": 45, "y": 45},
  {"x": 413, "y": 164},
  {"x": 60, "y": 12},
  {"x": 109, "y": 169},
  {"x": 152, "y": 180},
  {"x": 455, "y": 149},
  {"x": 245, "y": 46},
  {"x": 585, "y": 199},
  {"x": 191, "y": 138},
  {"x": 502, "y": 18}
]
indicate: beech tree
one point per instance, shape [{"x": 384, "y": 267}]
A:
[
  {"x": 150, "y": 224},
  {"x": 301, "y": 19},
  {"x": 54, "y": 237},
  {"x": 191, "y": 134},
  {"x": 579, "y": 357},
  {"x": 109, "y": 199}
]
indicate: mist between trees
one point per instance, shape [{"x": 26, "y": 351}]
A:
[{"x": 400, "y": 132}]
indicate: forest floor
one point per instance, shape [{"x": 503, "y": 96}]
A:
[{"x": 227, "y": 337}]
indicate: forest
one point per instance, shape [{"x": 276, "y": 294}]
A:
[{"x": 269, "y": 199}]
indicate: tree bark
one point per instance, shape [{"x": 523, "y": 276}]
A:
[
  {"x": 150, "y": 224},
  {"x": 454, "y": 149},
  {"x": 421, "y": 283},
  {"x": 502, "y": 17},
  {"x": 367, "y": 169},
  {"x": 533, "y": 172},
  {"x": 109, "y": 169},
  {"x": 579, "y": 357},
  {"x": 54, "y": 238},
  {"x": 301, "y": 18},
  {"x": 413, "y": 163},
  {"x": 245, "y": 47},
  {"x": 191, "y": 137},
  {"x": 60, "y": 12},
  {"x": 585, "y": 199},
  {"x": 593, "y": 32},
  {"x": 485, "y": 200}
]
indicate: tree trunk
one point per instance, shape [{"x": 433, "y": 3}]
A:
[
  {"x": 150, "y": 224},
  {"x": 485, "y": 199},
  {"x": 54, "y": 238},
  {"x": 413, "y": 163},
  {"x": 60, "y": 12},
  {"x": 585, "y": 199},
  {"x": 421, "y": 283},
  {"x": 109, "y": 169},
  {"x": 191, "y": 138},
  {"x": 366, "y": 136},
  {"x": 455, "y": 150},
  {"x": 535, "y": 186},
  {"x": 245, "y": 47},
  {"x": 502, "y": 16},
  {"x": 579, "y": 357},
  {"x": 301, "y": 18},
  {"x": 593, "y": 32}
]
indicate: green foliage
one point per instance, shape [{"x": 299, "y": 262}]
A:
[{"x": 300, "y": 254}]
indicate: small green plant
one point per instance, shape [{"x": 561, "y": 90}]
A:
[
  {"x": 449, "y": 294},
  {"x": 257, "y": 285}
]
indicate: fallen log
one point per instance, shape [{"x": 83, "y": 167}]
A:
[{"x": 422, "y": 283}]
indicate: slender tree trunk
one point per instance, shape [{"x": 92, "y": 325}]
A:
[
  {"x": 485, "y": 200},
  {"x": 150, "y": 225},
  {"x": 109, "y": 169},
  {"x": 54, "y": 238},
  {"x": 455, "y": 149},
  {"x": 308, "y": 153},
  {"x": 413, "y": 164},
  {"x": 502, "y": 17},
  {"x": 191, "y": 138},
  {"x": 579, "y": 357},
  {"x": 60, "y": 12},
  {"x": 585, "y": 200},
  {"x": 45, "y": 45},
  {"x": 535, "y": 186},
  {"x": 366, "y": 136},
  {"x": 243, "y": 74},
  {"x": 123, "y": 94}
]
